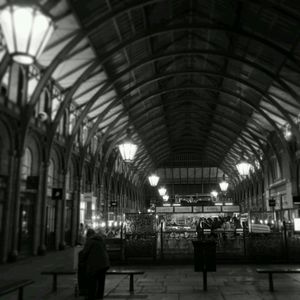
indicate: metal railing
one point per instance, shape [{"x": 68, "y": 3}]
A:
[{"x": 231, "y": 245}]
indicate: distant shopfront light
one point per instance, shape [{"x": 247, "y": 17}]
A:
[
  {"x": 153, "y": 179},
  {"x": 26, "y": 30},
  {"x": 214, "y": 194},
  {"x": 162, "y": 191},
  {"x": 166, "y": 197}
]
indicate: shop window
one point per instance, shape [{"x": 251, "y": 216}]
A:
[
  {"x": 51, "y": 219},
  {"x": 51, "y": 173},
  {"x": 69, "y": 180},
  {"x": 26, "y": 164}
]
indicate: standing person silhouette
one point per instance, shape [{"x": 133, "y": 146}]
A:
[{"x": 96, "y": 260}]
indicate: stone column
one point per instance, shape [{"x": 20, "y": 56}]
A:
[
  {"x": 62, "y": 243},
  {"x": 76, "y": 211},
  {"x": 8, "y": 207},
  {"x": 38, "y": 207},
  {"x": 43, "y": 208},
  {"x": 15, "y": 216}
]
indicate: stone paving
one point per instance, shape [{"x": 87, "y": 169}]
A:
[{"x": 160, "y": 282}]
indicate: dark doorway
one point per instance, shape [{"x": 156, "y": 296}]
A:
[{"x": 26, "y": 228}]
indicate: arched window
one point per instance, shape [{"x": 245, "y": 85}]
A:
[
  {"x": 70, "y": 180},
  {"x": 26, "y": 164},
  {"x": 275, "y": 169},
  {"x": 51, "y": 173}
]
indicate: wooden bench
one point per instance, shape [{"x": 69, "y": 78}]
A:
[
  {"x": 9, "y": 286},
  {"x": 60, "y": 271},
  {"x": 270, "y": 272},
  {"x": 131, "y": 273},
  {"x": 55, "y": 273}
]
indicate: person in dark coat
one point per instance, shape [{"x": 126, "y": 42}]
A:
[{"x": 96, "y": 260}]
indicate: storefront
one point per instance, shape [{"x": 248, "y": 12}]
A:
[{"x": 176, "y": 226}]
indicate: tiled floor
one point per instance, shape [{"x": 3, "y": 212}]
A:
[{"x": 232, "y": 282}]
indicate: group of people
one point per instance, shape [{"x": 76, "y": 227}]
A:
[
  {"x": 217, "y": 224},
  {"x": 93, "y": 262}
]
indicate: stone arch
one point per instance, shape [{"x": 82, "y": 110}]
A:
[
  {"x": 32, "y": 144},
  {"x": 55, "y": 167}
]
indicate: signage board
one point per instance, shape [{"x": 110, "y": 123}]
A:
[
  {"x": 197, "y": 209},
  {"x": 211, "y": 208},
  {"x": 296, "y": 199},
  {"x": 183, "y": 209},
  {"x": 57, "y": 193},
  {"x": 164, "y": 209},
  {"x": 230, "y": 208},
  {"x": 272, "y": 202}
]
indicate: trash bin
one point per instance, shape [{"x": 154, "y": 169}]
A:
[{"x": 204, "y": 256}]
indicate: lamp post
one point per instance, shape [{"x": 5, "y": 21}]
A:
[{"x": 26, "y": 29}]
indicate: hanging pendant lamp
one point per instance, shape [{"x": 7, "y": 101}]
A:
[
  {"x": 223, "y": 184},
  {"x": 128, "y": 149},
  {"x": 26, "y": 30},
  {"x": 153, "y": 179}
]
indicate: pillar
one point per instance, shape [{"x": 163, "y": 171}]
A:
[
  {"x": 15, "y": 214},
  {"x": 43, "y": 207},
  {"x": 8, "y": 207},
  {"x": 62, "y": 243}
]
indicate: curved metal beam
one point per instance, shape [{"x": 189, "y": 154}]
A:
[
  {"x": 234, "y": 57},
  {"x": 141, "y": 36},
  {"x": 270, "y": 121},
  {"x": 228, "y": 76},
  {"x": 5, "y": 61},
  {"x": 53, "y": 65}
]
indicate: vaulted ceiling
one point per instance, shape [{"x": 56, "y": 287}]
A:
[
  {"x": 200, "y": 81},
  {"x": 196, "y": 82}
]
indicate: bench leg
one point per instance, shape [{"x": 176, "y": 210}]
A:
[
  {"x": 54, "y": 283},
  {"x": 131, "y": 288},
  {"x": 271, "y": 287},
  {"x": 20, "y": 293},
  {"x": 204, "y": 280}
]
